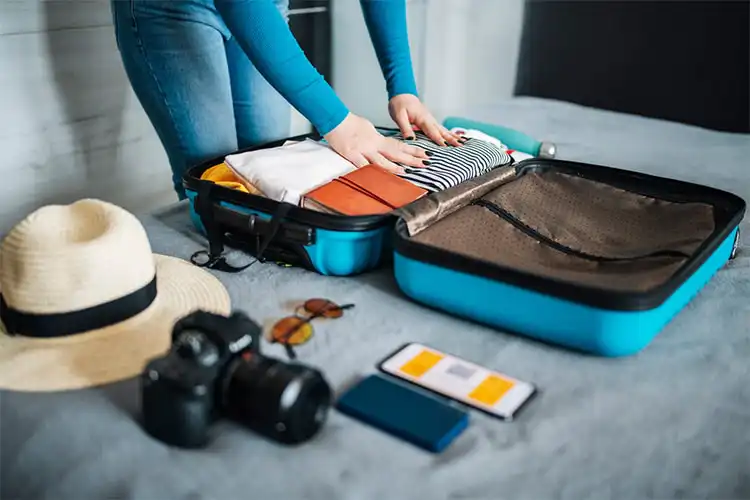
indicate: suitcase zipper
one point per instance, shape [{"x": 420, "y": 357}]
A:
[{"x": 529, "y": 231}]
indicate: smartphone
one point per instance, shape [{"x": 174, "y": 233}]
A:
[{"x": 489, "y": 391}]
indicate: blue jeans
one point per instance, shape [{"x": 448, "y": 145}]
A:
[{"x": 202, "y": 94}]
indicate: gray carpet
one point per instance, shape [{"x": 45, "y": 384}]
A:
[{"x": 671, "y": 422}]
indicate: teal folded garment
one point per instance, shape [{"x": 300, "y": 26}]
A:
[{"x": 511, "y": 138}]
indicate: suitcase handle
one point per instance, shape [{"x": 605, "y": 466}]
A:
[
  {"x": 254, "y": 225},
  {"x": 218, "y": 220}
]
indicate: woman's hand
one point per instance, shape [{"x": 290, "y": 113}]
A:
[
  {"x": 407, "y": 110},
  {"x": 357, "y": 140}
]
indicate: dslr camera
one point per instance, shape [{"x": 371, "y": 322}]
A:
[{"x": 215, "y": 369}]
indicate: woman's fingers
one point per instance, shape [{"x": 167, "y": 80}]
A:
[
  {"x": 407, "y": 154},
  {"x": 357, "y": 159},
  {"x": 398, "y": 156},
  {"x": 402, "y": 120},
  {"x": 432, "y": 130},
  {"x": 414, "y": 151},
  {"x": 439, "y": 134},
  {"x": 381, "y": 161},
  {"x": 450, "y": 137}
]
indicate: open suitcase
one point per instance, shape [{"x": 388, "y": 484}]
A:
[{"x": 588, "y": 257}]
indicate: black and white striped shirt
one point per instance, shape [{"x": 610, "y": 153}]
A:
[{"x": 450, "y": 165}]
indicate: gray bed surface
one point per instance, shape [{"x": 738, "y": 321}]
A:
[{"x": 670, "y": 422}]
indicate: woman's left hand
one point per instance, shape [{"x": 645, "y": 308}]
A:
[{"x": 408, "y": 111}]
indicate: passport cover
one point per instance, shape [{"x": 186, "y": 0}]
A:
[{"x": 365, "y": 191}]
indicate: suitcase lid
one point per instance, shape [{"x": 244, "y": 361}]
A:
[{"x": 728, "y": 210}]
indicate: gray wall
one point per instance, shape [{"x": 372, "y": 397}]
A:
[
  {"x": 464, "y": 54},
  {"x": 72, "y": 127}
]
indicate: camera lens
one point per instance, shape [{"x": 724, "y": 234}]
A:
[{"x": 286, "y": 402}]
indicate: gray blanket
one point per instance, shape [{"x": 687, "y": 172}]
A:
[{"x": 671, "y": 422}]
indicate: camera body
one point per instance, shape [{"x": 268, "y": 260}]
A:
[{"x": 215, "y": 369}]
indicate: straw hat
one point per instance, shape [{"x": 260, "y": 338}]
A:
[{"x": 84, "y": 301}]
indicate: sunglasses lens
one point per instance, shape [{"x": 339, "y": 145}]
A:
[
  {"x": 292, "y": 331},
  {"x": 323, "y": 308}
]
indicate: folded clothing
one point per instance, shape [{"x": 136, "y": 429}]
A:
[
  {"x": 478, "y": 134},
  {"x": 513, "y": 139},
  {"x": 452, "y": 165},
  {"x": 287, "y": 172},
  {"x": 518, "y": 155},
  {"x": 222, "y": 175}
]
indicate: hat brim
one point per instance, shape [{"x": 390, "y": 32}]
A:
[{"x": 116, "y": 352}]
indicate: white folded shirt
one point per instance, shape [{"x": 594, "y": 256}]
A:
[
  {"x": 478, "y": 134},
  {"x": 287, "y": 172}
]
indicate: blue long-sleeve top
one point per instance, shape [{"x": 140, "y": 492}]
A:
[{"x": 264, "y": 36}]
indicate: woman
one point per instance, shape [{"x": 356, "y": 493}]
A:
[{"x": 202, "y": 68}]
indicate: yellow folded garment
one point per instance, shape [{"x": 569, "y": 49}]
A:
[{"x": 222, "y": 175}]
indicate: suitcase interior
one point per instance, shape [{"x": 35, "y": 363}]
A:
[{"x": 593, "y": 236}]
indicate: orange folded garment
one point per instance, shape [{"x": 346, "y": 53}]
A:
[
  {"x": 366, "y": 191},
  {"x": 222, "y": 175}
]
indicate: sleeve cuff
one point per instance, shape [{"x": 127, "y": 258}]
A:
[
  {"x": 332, "y": 120},
  {"x": 402, "y": 83},
  {"x": 320, "y": 104}
]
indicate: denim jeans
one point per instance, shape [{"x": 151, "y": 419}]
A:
[{"x": 201, "y": 93}]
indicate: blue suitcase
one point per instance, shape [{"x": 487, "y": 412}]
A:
[{"x": 595, "y": 258}]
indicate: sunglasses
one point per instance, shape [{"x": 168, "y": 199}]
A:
[{"x": 297, "y": 329}]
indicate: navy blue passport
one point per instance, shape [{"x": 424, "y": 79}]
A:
[{"x": 404, "y": 412}]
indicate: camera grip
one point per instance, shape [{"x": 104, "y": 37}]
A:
[{"x": 175, "y": 417}]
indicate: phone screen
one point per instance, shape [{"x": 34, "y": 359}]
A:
[{"x": 489, "y": 391}]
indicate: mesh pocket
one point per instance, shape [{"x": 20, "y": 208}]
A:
[
  {"x": 478, "y": 233},
  {"x": 601, "y": 220}
]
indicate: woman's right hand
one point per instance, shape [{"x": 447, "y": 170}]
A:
[{"x": 357, "y": 140}]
